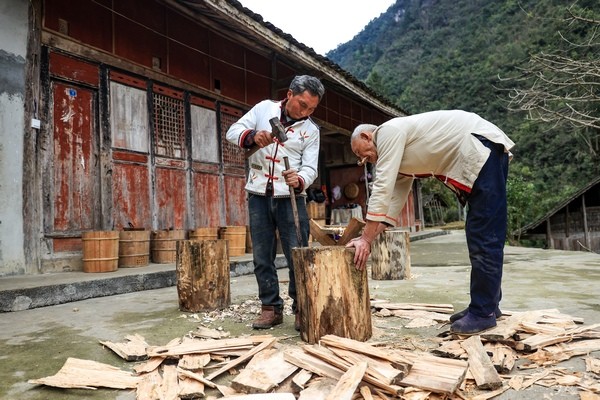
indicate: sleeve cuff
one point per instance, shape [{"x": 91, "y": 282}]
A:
[
  {"x": 300, "y": 187},
  {"x": 247, "y": 138}
]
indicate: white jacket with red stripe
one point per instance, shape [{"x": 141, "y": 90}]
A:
[
  {"x": 301, "y": 148},
  {"x": 439, "y": 144}
]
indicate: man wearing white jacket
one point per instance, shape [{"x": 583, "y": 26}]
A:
[
  {"x": 470, "y": 155},
  {"x": 268, "y": 185}
]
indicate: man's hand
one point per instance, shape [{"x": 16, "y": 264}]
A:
[
  {"x": 263, "y": 138},
  {"x": 363, "y": 250},
  {"x": 291, "y": 177}
]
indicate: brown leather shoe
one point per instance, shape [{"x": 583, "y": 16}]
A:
[
  {"x": 269, "y": 317},
  {"x": 297, "y": 322}
]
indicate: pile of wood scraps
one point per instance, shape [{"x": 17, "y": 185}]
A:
[{"x": 523, "y": 350}]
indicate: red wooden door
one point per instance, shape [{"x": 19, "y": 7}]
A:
[{"x": 74, "y": 189}]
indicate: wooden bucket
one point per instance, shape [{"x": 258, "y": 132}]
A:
[
  {"x": 236, "y": 239},
  {"x": 163, "y": 245},
  {"x": 206, "y": 233},
  {"x": 134, "y": 248},
  {"x": 100, "y": 251},
  {"x": 248, "y": 240}
]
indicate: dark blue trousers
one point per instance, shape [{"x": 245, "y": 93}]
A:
[
  {"x": 486, "y": 231},
  {"x": 268, "y": 215}
]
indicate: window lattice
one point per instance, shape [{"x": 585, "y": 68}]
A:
[
  {"x": 169, "y": 137},
  {"x": 233, "y": 155}
]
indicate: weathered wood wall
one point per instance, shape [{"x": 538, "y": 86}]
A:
[{"x": 137, "y": 101}]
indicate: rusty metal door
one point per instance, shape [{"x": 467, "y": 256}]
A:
[{"x": 72, "y": 193}]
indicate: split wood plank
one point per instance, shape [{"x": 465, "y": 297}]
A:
[
  {"x": 190, "y": 388},
  {"x": 397, "y": 360},
  {"x": 575, "y": 348},
  {"x": 149, "y": 365},
  {"x": 234, "y": 363},
  {"x": 263, "y": 396},
  {"x": 541, "y": 340},
  {"x": 265, "y": 371},
  {"x": 348, "y": 383},
  {"x": 311, "y": 363},
  {"x": 301, "y": 378},
  {"x": 169, "y": 386},
  {"x": 503, "y": 357},
  {"x": 328, "y": 356},
  {"x": 149, "y": 386},
  {"x": 417, "y": 314},
  {"x": 207, "y": 346},
  {"x": 318, "y": 389},
  {"x": 440, "y": 308},
  {"x": 87, "y": 374},
  {"x": 193, "y": 362},
  {"x": 592, "y": 365},
  {"x": 436, "y": 374},
  {"x": 450, "y": 349},
  {"x": 506, "y": 328},
  {"x": 133, "y": 349},
  {"x": 480, "y": 365},
  {"x": 365, "y": 392},
  {"x": 199, "y": 377},
  {"x": 320, "y": 235},
  {"x": 380, "y": 370},
  {"x": 352, "y": 231},
  {"x": 208, "y": 333}
]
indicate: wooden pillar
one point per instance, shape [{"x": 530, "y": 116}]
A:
[
  {"x": 390, "y": 256},
  {"x": 586, "y": 234},
  {"x": 333, "y": 296},
  {"x": 203, "y": 282},
  {"x": 549, "y": 237}
]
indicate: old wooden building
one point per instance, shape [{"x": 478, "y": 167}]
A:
[
  {"x": 122, "y": 111},
  {"x": 574, "y": 224}
]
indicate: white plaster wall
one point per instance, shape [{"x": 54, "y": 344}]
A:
[{"x": 13, "y": 50}]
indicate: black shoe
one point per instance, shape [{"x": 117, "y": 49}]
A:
[
  {"x": 460, "y": 314},
  {"x": 471, "y": 324}
]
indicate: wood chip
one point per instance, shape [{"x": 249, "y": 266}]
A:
[
  {"x": 301, "y": 379},
  {"x": 133, "y": 349},
  {"x": 87, "y": 374}
]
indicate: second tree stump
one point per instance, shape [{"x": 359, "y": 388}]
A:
[
  {"x": 390, "y": 256},
  {"x": 203, "y": 282}
]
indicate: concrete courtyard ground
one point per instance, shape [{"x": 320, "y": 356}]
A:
[{"x": 35, "y": 343}]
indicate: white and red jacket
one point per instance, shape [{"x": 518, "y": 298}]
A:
[
  {"x": 439, "y": 144},
  {"x": 301, "y": 148}
]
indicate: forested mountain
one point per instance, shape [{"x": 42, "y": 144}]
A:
[{"x": 478, "y": 55}]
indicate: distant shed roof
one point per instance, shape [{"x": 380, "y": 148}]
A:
[{"x": 592, "y": 185}]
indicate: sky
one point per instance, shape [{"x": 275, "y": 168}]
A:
[{"x": 320, "y": 24}]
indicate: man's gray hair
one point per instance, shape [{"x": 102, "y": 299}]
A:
[
  {"x": 360, "y": 129},
  {"x": 303, "y": 83}
]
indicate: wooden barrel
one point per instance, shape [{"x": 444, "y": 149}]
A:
[
  {"x": 100, "y": 251},
  {"x": 163, "y": 245},
  {"x": 248, "y": 240},
  {"x": 206, "y": 233},
  {"x": 134, "y": 248},
  {"x": 236, "y": 239}
]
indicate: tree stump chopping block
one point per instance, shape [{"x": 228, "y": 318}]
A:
[
  {"x": 390, "y": 256},
  {"x": 203, "y": 282},
  {"x": 333, "y": 296}
]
